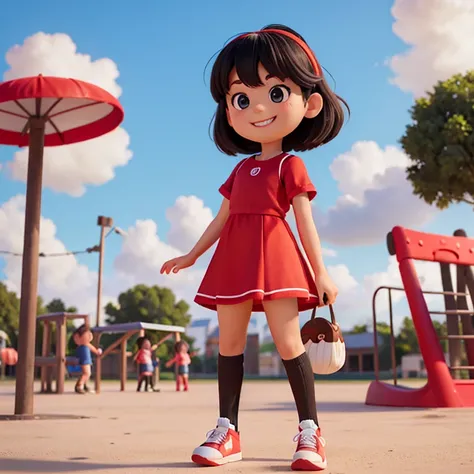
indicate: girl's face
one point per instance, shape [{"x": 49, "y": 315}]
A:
[
  {"x": 146, "y": 344},
  {"x": 270, "y": 112}
]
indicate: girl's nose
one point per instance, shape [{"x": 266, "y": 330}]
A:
[{"x": 259, "y": 108}]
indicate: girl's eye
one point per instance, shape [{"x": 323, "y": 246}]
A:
[
  {"x": 240, "y": 101},
  {"x": 279, "y": 94}
]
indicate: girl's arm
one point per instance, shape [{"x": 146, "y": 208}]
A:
[
  {"x": 308, "y": 233},
  {"x": 207, "y": 240},
  {"x": 154, "y": 347},
  {"x": 171, "y": 361},
  {"x": 312, "y": 246},
  {"x": 212, "y": 233}
]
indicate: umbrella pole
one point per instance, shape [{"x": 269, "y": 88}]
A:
[{"x": 29, "y": 279}]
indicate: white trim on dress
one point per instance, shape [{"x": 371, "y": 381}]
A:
[
  {"x": 281, "y": 164},
  {"x": 256, "y": 291}
]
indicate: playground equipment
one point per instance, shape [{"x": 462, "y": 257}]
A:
[
  {"x": 129, "y": 330},
  {"x": 443, "y": 388},
  {"x": 54, "y": 365}
]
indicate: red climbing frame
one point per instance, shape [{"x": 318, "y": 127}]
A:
[{"x": 441, "y": 389}]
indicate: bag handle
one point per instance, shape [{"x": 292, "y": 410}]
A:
[{"x": 331, "y": 311}]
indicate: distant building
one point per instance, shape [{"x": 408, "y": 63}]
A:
[
  {"x": 413, "y": 365},
  {"x": 360, "y": 352},
  {"x": 199, "y": 330}
]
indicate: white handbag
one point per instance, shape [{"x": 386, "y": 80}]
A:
[{"x": 324, "y": 344}]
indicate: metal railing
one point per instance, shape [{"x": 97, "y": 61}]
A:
[{"x": 392, "y": 335}]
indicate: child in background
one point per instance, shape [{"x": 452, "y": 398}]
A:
[
  {"x": 82, "y": 336},
  {"x": 145, "y": 364},
  {"x": 183, "y": 359}
]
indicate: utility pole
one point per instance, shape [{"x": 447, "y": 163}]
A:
[{"x": 103, "y": 222}]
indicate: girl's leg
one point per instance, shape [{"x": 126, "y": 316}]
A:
[
  {"x": 140, "y": 383},
  {"x": 283, "y": 321},
  {"x": 178, "y": 383},
  {"x": 223, "y": 443},
  {"x": 146, "y": 383},
  {"x": 185, "y": 382},
  {"x": 233, "y": 324}
]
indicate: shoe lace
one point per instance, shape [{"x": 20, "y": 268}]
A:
[
  {"x": 308, "y": 439},
  {"x": 216, "y": 436}
]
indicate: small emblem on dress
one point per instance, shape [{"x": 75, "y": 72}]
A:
[{"x": 254, "y": 171}]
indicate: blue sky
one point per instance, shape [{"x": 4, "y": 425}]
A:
[{"x": 161, "y": 49}]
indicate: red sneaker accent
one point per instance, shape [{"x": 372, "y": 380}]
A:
[
  {"x": 309, "y": 455},
  {"x": 221, "y": 446}
]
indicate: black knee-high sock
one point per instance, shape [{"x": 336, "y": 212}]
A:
[
  {"x": 140, "y": 383},
  {"x": 146, "y": 383},
  {"x": 230, "y": 374},
  {"x": 301, "y": 378},
  {"x": 150, "y": 380}
]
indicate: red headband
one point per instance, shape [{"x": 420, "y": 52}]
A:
[{"x": 299, "y": 41}]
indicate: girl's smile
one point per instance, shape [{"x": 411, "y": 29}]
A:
[{"x": 264, "y": 123}]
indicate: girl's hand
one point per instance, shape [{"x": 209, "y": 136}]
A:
[
  {"x": 325, "y": 285},
  {"x": 176, "y": 264},
  {"x": 99, "y": 351}
]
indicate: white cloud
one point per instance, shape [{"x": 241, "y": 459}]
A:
[
  {"x": 440, "y": 36},
  {"x": 189, "y": 218},
  {"x": 375, "y": 196},
  {"x": 144, "y": 252},
  {"x": 69, "y": 169},
  {"x": 59, "y": 277},
  {"x": 327, "y": 252},
  {"x": 142, "y": 255}
]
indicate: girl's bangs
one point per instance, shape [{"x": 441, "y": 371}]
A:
[{"x": 275, "y": 55}]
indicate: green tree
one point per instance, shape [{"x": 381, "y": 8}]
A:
[
  {"x": 57, "y": 305},
  {"x": 9, "y": 313},
  {"x": 407, "y": 339},
  {"x": 149, "y": 304},
  {"x": 359, "y": 329},
  {"x": 440, "y": 143}
]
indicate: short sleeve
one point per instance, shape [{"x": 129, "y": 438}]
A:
[
  {"x": 226, "y": 188},
  {"x": 295, "y": 178}
]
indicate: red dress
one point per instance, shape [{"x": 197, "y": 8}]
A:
[{"x": 257, "y": 256}]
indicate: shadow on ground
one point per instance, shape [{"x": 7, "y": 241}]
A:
[
  {"x": 352, "y": 407},
  {"x": 73, "y": 465}
]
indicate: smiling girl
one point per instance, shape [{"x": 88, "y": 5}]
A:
[{"x": 272, "y": 98}]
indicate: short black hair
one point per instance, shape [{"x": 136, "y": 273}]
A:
[
  {"x": 282, "y": 57},
  {"x": 81, "y": 330}
]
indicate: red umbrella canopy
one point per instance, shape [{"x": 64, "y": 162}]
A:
[{"x": 74, "y": 111}]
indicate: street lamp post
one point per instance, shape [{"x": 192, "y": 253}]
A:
[{"x": 103, "y": 222}]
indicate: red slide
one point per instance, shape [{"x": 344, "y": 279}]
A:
[{"x": 441, "y": 390}]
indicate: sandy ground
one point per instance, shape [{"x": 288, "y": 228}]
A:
[{"x": 156, "y": 432}]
